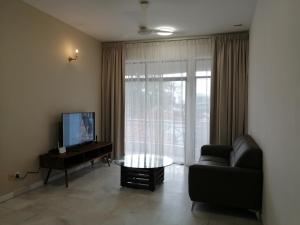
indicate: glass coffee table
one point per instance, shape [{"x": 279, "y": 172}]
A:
[{"x": 143, "y": 171}]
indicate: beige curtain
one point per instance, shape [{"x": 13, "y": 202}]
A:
[
  {"x": 112, "y": 97},
  {"x": 229, "y": 87}
]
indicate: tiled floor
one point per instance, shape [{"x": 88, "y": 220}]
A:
[{"x": 94, "y": 197}]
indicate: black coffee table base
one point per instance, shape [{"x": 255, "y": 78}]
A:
[{"x": 141, "y": 178}]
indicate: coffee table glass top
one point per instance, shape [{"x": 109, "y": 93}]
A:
[{"x": 144, "y": 161}]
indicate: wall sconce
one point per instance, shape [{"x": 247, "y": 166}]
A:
[{"x": 75, "y": 56}]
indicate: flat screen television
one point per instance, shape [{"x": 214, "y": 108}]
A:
[{"x": 78, "y": 128}]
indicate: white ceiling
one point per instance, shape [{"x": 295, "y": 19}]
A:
[{"x": 115, "y": 20}]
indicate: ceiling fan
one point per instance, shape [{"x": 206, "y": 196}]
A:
[{"x": 143, "y": 28}]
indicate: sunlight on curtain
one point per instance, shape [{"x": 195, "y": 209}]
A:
[
  {"x": 203, "y": 82},
  {"x": 164, "y": 98},
  {"x": 155, "y": 108}
]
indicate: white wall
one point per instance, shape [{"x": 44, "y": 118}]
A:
[
  {"x": 274, "y": 105},
  {"x": 37, "y": 83}
]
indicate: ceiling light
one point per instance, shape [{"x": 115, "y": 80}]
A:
[{"x": 165, "y": 31}]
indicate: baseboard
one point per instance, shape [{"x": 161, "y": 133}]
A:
[{"x": 40, "y": 183}]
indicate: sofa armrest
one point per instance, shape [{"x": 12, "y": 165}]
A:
[
  {"x": 216, "y": 150},
  {"x": 224, "y": 185}
]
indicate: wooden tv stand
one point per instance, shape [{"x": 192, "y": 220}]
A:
[{"x": 74, "y": 157}]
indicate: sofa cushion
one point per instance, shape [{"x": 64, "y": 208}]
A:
[
  {"x": 213, "y": 161},
  {"x": 246, "y": 153},
  {"x": 222, "y": 151}
]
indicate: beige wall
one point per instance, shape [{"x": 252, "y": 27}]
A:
[
  {"x": 37, "y": 83},
  {"x": 274, "y": 105}
]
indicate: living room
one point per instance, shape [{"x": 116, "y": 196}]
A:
[{"x": 154, "y": 112}]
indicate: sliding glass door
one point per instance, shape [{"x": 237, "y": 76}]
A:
[{"x": 156, "y": 109}]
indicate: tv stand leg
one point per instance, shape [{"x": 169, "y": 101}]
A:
[
  {"x": 92, "y": 163},
  {"x": 66, "y": 178},
  {"x": 48, "y": 175},
  {"x": 107, "y": 160}
]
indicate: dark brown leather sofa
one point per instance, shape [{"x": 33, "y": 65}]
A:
[{"x": 228, "y": 175}]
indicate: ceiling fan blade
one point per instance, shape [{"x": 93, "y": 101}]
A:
[{"x": 144, "y": 30}]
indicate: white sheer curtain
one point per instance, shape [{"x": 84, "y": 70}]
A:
[{"x": 163, "y": 99}]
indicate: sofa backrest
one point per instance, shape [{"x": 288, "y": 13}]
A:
[{"x": 246, "y": 153}]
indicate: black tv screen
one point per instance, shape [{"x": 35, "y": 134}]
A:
[{"x": 78, "y": 128}]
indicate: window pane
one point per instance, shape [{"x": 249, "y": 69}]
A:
[{"x": 173, "y": 119}]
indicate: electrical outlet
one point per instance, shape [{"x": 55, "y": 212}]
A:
[
  {"x": 17, "y": 175},
  {"x": 12, "y": 177}
]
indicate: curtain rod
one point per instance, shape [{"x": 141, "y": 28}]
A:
[
  {"x": 195, "y": 37},
  {"x": 159, "y": 40},
  {"x": 167, "y": 39}
]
